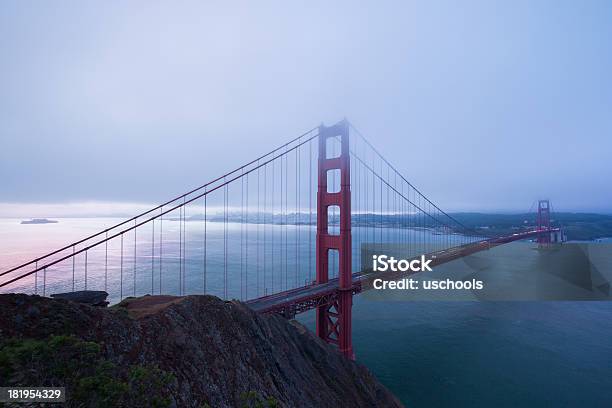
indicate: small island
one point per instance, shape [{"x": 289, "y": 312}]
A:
[{"x": 39, "y": 221}]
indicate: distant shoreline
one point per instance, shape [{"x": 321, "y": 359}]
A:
[{"x": 577, "y": 226}]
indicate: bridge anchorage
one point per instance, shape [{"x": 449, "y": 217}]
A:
[{"x": 250, "y": 235}]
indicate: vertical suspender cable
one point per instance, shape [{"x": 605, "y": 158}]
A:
[
  {"x": 134, "y": 257},
  {"x": 121, "y": 272},
  {"x": 180, "y": 254},
  {"x": 152, "y": 255},
  {"x": 225, "y": 241},
  {"x": 246, "y": 260},
  {"x": 286, "y": 261},
  {"x": 73, "y": 267},
  {"x": 381, "y": 222},
  {"x": 296, "y": 218},
  {"x": 299, "y": 187},
  {"x": 184, "y": 246},
  {"x": 241, "y": 235},
  {"x": 205, "y": 238},
  {"x": 257, "y": 233},
  {"x": 390, "y": 222},
  {"x": 272, "y": 225},
  {"x": 106, "y": 262},
  {"x": 281, "y": 221},
  {"x": 373, "y": 202},
  {"x": 161, "y": 226},
  {"x": 265, "y": 193},
  {"x": 400, "y": 222},
  {"x": 310, "y": 188},
  {"x": 85, "y": 270}
]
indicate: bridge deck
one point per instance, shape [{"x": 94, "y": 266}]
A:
[{"x": 301, "y": 299}]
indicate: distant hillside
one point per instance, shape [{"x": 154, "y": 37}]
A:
[
  {"x": 577, "y": 226},
  {"x": 164, "y": 351}
]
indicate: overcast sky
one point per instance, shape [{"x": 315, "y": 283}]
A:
[{"x": 483, "y": 105}]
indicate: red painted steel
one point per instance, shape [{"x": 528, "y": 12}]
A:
[
  {"x": 334, "y": 317},
  {"x": 544, "y": 222}
]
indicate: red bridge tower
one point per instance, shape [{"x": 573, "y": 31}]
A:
[
  {"x": 334, "y": 319},
  {"x": 544, "y": 222}
]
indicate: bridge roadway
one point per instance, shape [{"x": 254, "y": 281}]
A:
[{"x": 298, "y": 300}]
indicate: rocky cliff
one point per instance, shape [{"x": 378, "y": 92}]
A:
[{"x": 193, "y": 351}]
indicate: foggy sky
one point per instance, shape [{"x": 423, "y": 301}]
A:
[{"x": 482, "y": 105}]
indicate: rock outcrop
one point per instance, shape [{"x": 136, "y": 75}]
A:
[{"x": 192, "y": 351}]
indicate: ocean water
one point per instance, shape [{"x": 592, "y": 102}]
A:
[
  {"x": 487, "y": 354},
  {"x": 428, "y": 353},
  {"x": 497, "y": 353}
]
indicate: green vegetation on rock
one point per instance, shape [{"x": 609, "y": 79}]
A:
[
  {"x": 90, "y": 380},
  {"x": 252, "y": 399}
]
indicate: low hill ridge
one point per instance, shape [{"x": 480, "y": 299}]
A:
[{"x": 192, "y": 351}]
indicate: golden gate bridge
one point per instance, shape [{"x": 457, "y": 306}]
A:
[{"x": 283, "y": 233}]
